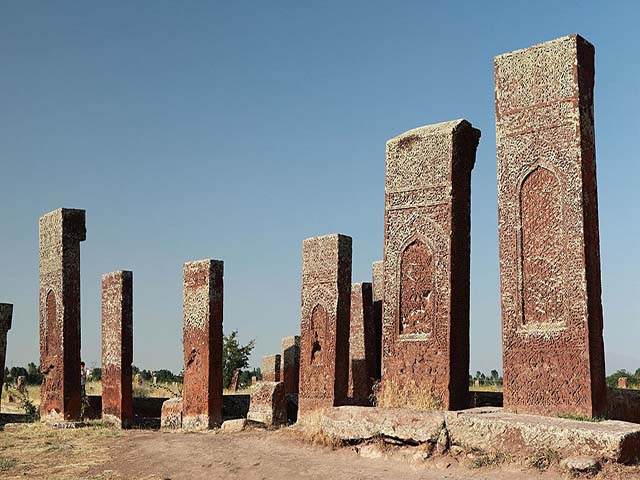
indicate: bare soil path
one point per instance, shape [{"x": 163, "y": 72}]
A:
[{"x": 100, "y": 453}]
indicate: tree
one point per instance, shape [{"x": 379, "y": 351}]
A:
[
  {"x": 96, "y": 374},
  {"x": 495, "y": 377},
  {"x": 234, "y": 356},
  {"x": 247, "y": 375},
  {"x": 165, "y": 376},
  {"x": 34, "y": 376}
]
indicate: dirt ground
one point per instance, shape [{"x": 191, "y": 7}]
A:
[{"x": 37, "y": 451}]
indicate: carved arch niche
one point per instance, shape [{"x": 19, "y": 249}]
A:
[
  {"x": 318, "y": 328},
  {"x": 417, "y": 289},
  {"x": 542, "y": 251}
]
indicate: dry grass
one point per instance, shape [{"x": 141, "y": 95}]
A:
[
  {"x": 491, "y": 459},
  {"x": 390, "y": 395},
  {"x": 38, "y": 451},
  {"x": 486, "y": 388},
  {"x": 543, "y": 459}
]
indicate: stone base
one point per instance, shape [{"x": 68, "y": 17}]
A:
[
  {"x": 486, "y": 429},
  {"x": 198, "y": 422},
  {"x": 115, "y": 421},
  {"x": 268, "y": 404},
  {"x": 171, "y": 415}
]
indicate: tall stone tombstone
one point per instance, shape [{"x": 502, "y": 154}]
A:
[
  {"x": 553, "y": 353},
  {"x": 6, "y": 315},
  {"x": 426, "y": 267},
  {"x": 271, "y": 368},
  {"x": 117, "y": 348},
  {"x": 324, "y": 327},
  {"x": 361, "y": 345},
  {"x": 60, "y": 234},
  {"x": 202, "y": 338},
  {"x": 290, "y": 364},
  {"x": 377, "y": 276}
]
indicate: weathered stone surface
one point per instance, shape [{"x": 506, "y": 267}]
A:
[
  {"x": 581, "y": 464},
  {"x": 271, "y": 368},
  {"x": 362, "y": 368},
  {"x": 324, "y": 327},
  {"x": 377, "y": 276},
  {"x": 268, "y": 404},
  {"x": 117, "y": 347},
  {"x": 290, "y": 364},
  {"x": 237, "y": 425},
  {"x": 553, "y": 353},
  {"x": 485, "y": 429},
  {"x": 425, "y": 358},
  {"x": 171, "y": 415},
  {"x": 363, "y": 423},
  {"x": 202, "y": 337},
  {"x": 492, "y": 429},
  {"x": 623, "y": 404},
  {"x": 6, "y": 315},
  {"x": 60, "y": 234}
]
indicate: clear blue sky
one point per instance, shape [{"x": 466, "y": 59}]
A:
[{"x": 233, "y": 130}]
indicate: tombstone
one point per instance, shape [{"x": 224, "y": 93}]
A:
[
  {"x": 154, "y": 378},
  {"x": 235, "y": 380},
  {"x": 324, "y": 327},
  {"x": 117, "y": 348},
  {"x": 268, "y": 404},
  {"x": 254, "y": 380},
  {"x": 361, "y": 345},
  {"x": 548, "y": 230},
  {"x": 271, "y": 368},
  {"x": 61, "y": 232},
  {"x": 21, "y": 384},
  {"x": 622, "y": 382},
  {"x": 6, "y": 315},
  {"x": 377, "y": 275},
  {"x": 202, "y": 338},
  {"x": 476, "y": 383},
  {"x": 425, "y": 325},
  {"x": 290, "y": 364},
  {"x": 171, "y": 414}
]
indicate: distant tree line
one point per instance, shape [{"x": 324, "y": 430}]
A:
[
  {"x": 493, "y": 379},
  {"x": 633, "y": 379}
]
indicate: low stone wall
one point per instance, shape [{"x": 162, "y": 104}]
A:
[{"x": 623, "y": 404}]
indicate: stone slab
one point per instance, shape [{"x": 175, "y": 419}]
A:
[
  {"x": 486, "y": 429},
  {"x": 268, "y": 404}
]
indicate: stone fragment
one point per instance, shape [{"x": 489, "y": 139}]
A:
[
  {"x": 425, "y": 325},
  {"x": 21, "y": 384},
  {"x": 235, "y": 380},
  {"x": 442, "y": 445},
  {"x": 202, "y": 338},
  {"x": 377, "y": 276},
  {"x": 236, "y": 425},
  {"x": 362, "y": 368},
  {"x": 271, "y": 368},
  {"x": 268, "y": 404},
  {"x": 553, "y": 353},
  {"x": 581, "y": 464},
  {"x": 290, "y": 364},
  {"x": 60, "y": 234},
  {"x": 117, "y": 348},
  {"x": 324, "y": 342},
  {"x": 171, "y": 415},
  {"x": 6, "y": 315}
]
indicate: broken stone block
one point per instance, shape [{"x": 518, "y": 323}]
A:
[
  {"x": 553, "y": 352},
  {"x": 236, "y": 425},
  {"x": 171, "y": 416},
  {"x": 268, "y": 404},
  {"x": 290, "y": 364},
  {"x": 271, "y": 368},
  {"x": 60, "y": 234},
  {"x": 581, "y": 465}
]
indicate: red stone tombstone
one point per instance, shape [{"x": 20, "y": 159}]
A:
[
  {"x": 271, "y": 368},
  {"x": 361, "y": 345},
  {"x": 553, "y": 353},
  {"x": 425, "y": 358},
  {"x": 377, "y": 276},
  {"x": 324, "y": 340},
  {"x": 60, "y": 234},
  {"x": 202, "y": 338},
  {"x": 117, "y": 347},
  {"x": 6, "y": 314},
  {"x": 290, "y": 364}
]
